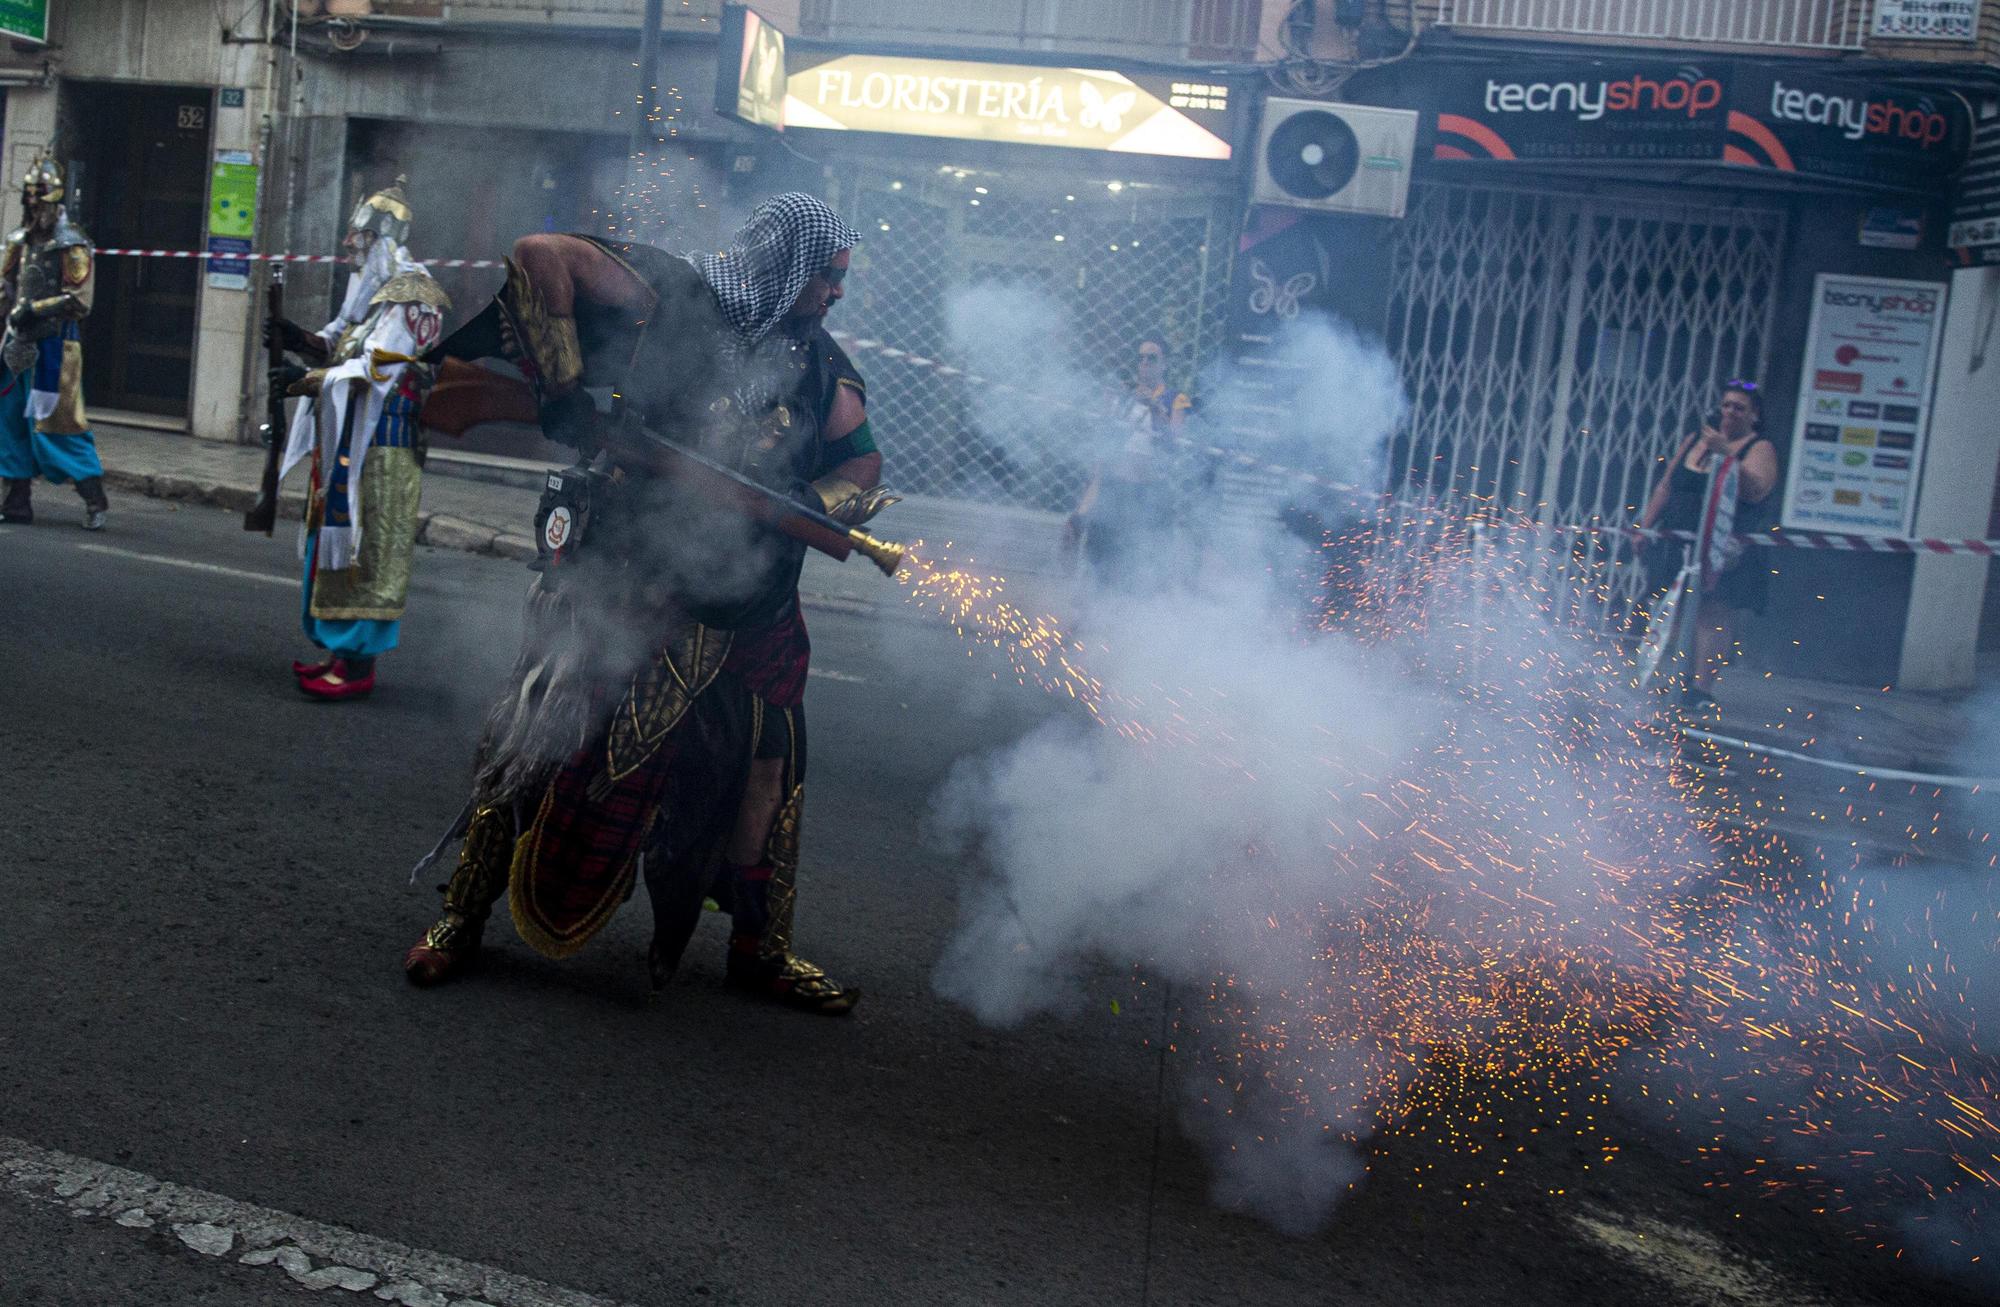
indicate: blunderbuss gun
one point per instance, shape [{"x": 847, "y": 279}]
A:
[
  {"x": 263, "y": 515},
  {"x": 559, "y": 519}
]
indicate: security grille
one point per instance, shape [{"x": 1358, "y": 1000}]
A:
[
  {"x": 1107, "y": 266},
  {"x": 1555, "y": 350},
  {"x": 1169, "y": 30}
]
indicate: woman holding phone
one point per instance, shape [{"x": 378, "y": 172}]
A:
[{"x": 1734, "y": 430}]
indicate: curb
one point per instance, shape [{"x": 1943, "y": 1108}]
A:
[{"x": 439, "y": 530}]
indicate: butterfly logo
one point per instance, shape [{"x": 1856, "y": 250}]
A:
[
  {"x": 1267, "y": 296},
  {"x": 1108, "y": 114}
]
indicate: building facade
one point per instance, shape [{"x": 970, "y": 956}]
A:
[
  {"x": 1619, "y": 208},
  {"x": 1571, "y": 282}
]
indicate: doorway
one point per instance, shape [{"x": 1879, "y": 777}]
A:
[{"x": 138, "y": 178}]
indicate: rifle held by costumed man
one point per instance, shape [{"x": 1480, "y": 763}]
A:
[{"x": 263, "y": 515}]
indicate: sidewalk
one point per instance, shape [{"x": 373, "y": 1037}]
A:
[{"x": 486, "y": 504}]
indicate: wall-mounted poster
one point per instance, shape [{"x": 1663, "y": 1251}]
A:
[
  {"x": 25, "y": 20},
  {"x": 1864, "y": 405}
]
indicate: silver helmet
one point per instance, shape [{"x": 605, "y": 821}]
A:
[
  {"x": 44, "y": 182},
  {"x": 385, "y": 213}
]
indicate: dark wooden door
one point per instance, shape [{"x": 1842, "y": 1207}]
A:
[{"x": 139, "y": 165}]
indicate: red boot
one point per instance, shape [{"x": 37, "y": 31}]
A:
[
  {"x": 445, "y": 950},
  {"x": 341, "y": 681}
]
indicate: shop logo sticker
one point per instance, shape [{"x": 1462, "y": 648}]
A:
[
  {"x": 1815, "y": 474},
  {"x": 1811, "y": 496},
  {"x": 1847, "y": 498},
  {"x": 1828, "y": 379},
  {"x": 1822, "y": 431},
  {"x": 1820, "y": 455},
  {"x": 1854, "y": 458},
  {"x": 1897, "y": 440},
  {"x": 1833, "y": 406},
  {"x": 1863, "y": 408},
  {"x": 1890, "y": 502},
  {"x": 1892, "y": 460},
  {"x": 1857, "y": 436},
  {"x": 1899, "y": 413}
]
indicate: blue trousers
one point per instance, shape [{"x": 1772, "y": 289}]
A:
[
  {"x": 26, "y": 453},
  {"x": 352, "y": 637}
]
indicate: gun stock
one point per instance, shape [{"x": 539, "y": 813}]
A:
[{"x": 263, "y": 515}]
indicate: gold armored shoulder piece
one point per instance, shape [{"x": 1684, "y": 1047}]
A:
[
  {"x": 413, "y": 288},
  {"x": 76, "y": 266}
]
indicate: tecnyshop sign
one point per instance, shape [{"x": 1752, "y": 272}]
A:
[{"x": 1735, "y": 115}]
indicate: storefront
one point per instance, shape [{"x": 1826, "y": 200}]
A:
[
  {"x": 1104, "y": 200},
  {"x": 1593, "y": 247}
]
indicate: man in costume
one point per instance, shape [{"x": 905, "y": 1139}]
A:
[
  {"x": 45, "y": 290},
  {"x": 655, "y": 720},
  {"x": 358, "y": 428}
]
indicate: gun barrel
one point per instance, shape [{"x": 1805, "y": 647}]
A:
[{"x": 817, "y": 526}]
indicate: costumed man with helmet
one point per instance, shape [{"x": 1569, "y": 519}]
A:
[
  {"x": 655, "y": 721},
  {"x": 357, "y": 427},
  {"x": 45, "y": 289}
]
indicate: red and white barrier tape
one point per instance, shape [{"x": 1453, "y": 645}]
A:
[
  {"x": 285, "y": 258},
  {"x": 1236, "y": 456},
  {"x": 1767, "y": 539},
  {"x": 1820, "y": 540}
]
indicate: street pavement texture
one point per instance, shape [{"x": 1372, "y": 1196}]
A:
[
  {"x": 215, "y": 1086},
  {"x": 486, "y": 504}
]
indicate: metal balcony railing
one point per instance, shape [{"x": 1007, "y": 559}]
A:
[
  {"x": 1167, "y": 30},
  {"x": 556, "y": 13},
  {"x": 1796, "y": 24}
]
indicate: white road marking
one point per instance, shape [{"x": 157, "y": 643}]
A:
[
  {"x": 1696, "y": 1266},
  {"x": 1836, "y": 764},
  {"x": 289, "y": 582},
  {"x": 315, "y": 1256},
  {"x": 831, "y": 675}
]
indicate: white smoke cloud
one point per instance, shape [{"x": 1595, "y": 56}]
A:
[{"x": 1220, "y": 835}]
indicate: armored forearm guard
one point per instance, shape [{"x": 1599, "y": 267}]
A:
[{"x": 544, "y": 346}]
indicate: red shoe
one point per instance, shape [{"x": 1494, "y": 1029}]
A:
[
  {"x": 306, "y": 671},
  {"x": 444, "y": 951},
  {"x": 335, "y": 684}
]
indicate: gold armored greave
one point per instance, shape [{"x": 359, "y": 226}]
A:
[
  {"x": 478, "y": 881},
  {"x": 782, "y": 851}
]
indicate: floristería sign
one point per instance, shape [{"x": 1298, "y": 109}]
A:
[{"x": 1029, "y": 104}]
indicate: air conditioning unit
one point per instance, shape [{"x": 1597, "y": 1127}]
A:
[{"x": 1335, "y": 158}]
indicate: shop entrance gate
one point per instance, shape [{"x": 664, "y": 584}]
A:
[
  {"x": 1555, "y": 349},
  {"x": 1105, "y": 265}
]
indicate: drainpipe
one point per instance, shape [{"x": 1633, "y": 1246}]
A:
[{"x": 649, "y": 77}]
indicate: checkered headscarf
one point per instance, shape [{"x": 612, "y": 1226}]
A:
[{"x": 790, "y": 238}]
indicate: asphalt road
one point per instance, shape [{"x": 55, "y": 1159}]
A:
[{"x": 204, "y": 879}]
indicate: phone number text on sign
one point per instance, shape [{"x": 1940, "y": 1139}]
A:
[{"x": 1927, "y": 20}]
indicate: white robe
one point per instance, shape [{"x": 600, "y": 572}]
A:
[{"x": 317, "y": 423}]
